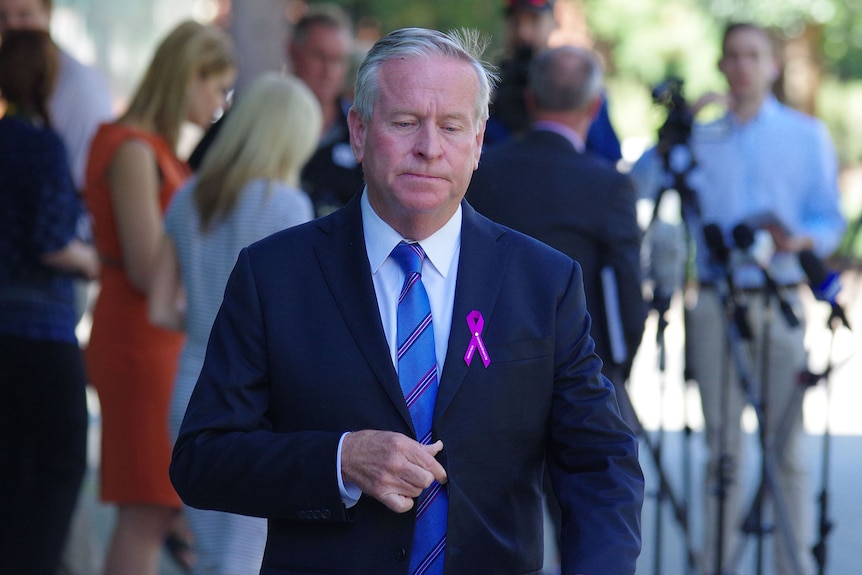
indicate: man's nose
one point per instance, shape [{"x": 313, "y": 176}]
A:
[{"x": 428, "y": 142}]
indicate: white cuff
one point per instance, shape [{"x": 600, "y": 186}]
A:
[{"x": 350, "y": 493}]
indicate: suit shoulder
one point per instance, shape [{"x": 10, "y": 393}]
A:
[
  {"x": 293, "y": 239},
  {"x": 523, "y": 246}
]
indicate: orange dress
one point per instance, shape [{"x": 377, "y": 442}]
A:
[{"x": 131, "y": 363}]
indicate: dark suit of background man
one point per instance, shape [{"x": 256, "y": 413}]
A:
[
  {"x": 319, "y": 54},
  {"x": 299, "y": 416},
  {"x": 545, "y": 185}
]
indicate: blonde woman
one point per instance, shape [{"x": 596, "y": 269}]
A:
[
  {"x": 246, "y": 189},
  {"x": 132, "y": 174}
]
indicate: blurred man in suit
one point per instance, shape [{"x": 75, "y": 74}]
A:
[
  {"x": 529, "y": 25},
  {"x": 547, "y": 185},
  {"x": 319, "y": 53}
]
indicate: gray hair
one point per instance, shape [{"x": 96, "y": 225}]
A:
[
  {"x": 565, "y": 78},
  {"x": 465, "y": 45},
  {"x": 326, "y": 15}
]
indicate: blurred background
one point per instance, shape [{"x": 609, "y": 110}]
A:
[{"x": 642, "y": 43}]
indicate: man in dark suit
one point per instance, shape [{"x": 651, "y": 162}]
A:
[
  {"x": 546, "y": 185},
  {"x": 319, "y": 55},
  {"x": 299, "y": 414}
]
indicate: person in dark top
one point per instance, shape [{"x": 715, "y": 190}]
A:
[
  {"x": 319, "y": 54},
  {"x": 43, "y": 412},
  {"x": 529, "y": 24}
]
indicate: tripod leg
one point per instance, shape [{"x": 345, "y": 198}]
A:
[
  {"x": 783, "y": 482},
  {"x": 722, "y": 402}
]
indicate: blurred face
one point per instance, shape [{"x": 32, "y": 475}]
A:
[
  {"x": 421, "y": 145},
  {"x": 748, "y": 64},
  {"x": 321, "y": 60},
  {"x": 208, "y": 96},
  {"x": 24, "y": 14},
  {"x": 529, "y": 29}
]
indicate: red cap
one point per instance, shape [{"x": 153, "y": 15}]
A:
[{"x": 531, "y": 5}]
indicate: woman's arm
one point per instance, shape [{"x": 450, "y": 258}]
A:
[
  {"x": 166, "y": 303},
  {"x": 76, "y": 257},
  {"x": 133, "y": 177}
]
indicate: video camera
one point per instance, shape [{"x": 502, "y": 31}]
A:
[{"x": 677, "y": 127}]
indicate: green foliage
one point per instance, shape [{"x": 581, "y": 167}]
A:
[
  {"x": 485, "y": 15},
  {"x": 647, "y": 41},
  {"x": 840, "y": 105}
]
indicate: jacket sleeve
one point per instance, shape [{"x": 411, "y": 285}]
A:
[
  {"x": 228, "y": 456},
  {"x": 593, "y": 455}
]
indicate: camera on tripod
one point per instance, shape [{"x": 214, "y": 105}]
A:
[{"x": 677, "y": 127}]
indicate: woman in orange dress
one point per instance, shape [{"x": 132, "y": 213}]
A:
[{"x": 132, "y": 174}]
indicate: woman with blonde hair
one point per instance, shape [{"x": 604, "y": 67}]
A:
[
  {"x": 132, "y": 174},
  {"x": 246, "y": 189}
]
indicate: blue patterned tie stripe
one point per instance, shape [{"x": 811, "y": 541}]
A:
[{"x": 417, "y": 372}]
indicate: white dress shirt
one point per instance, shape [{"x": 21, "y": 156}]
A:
[{"x": 439, "y": 274}]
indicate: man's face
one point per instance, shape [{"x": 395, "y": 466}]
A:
[
  {"x": 748, "y": 64},
  {"x": 24, "y": 14},
  {"x": 321, "y": 60},
  {"x": 421, "y": 145},
  {"x": 529, "y": 29}
]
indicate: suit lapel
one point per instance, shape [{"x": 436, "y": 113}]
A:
[
  {"x": 342, "y": 259},
  {"x": 482, "y": 265},
  {"x": 481, "y": 270}
]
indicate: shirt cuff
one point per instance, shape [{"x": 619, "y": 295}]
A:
[{"x": 350, "y": 493}]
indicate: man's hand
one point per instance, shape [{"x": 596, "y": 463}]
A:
[
  {"x": 390, "y": 467},
  {"x": 709, "y": 98}
]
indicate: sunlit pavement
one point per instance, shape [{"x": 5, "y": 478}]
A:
[{"x": 666, "y": 407}]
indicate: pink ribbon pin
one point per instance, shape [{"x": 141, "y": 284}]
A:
[{"x": 476, "y": 323}]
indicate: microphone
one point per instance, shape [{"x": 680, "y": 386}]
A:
[
  {"x": 747, "y": 240},
  {"x": 757, "y": 244},
  {"x": 824, "y": 284},
  {"x": 721, "y": 254},
  {"x": 715, "y": 242},
  {"x": 666, "y": 249}
]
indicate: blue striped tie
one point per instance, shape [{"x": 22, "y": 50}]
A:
[{"x": 417, "y": 371}]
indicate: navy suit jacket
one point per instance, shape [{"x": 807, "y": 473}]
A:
[
  {"x": 297, "y": 356},
  {"x": 578, "y": 203}
]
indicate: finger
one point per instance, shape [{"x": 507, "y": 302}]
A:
[
  {"x": 396, "y": 502},
  {"x": 433, "y": 466}
]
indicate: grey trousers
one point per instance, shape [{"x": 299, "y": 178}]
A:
[{"x": 723, "y": 397}]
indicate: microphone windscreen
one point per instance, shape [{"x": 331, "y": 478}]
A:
[
  {"x": 715, "y": 242},
  {"x": 665, "y": 244},
  {"x": 743, "y": 236},
  {"x": 813, "y": 267}
]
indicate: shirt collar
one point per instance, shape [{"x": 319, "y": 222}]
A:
[
  {"x": 563, "y": 131},
  {"x": 768, "y": 108},
  {"x": 381, "y": 239}
]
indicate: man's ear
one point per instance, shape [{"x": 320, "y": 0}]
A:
[
  {"x": 357, "y": 128},
  {"x": 775, "y": 72},
  {"x": 594, "y": 106}
]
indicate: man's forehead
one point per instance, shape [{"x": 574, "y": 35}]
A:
[{"x": 747, "y": 40}]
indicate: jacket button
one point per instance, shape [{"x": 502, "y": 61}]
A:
[{"x": 400, "y": 554}]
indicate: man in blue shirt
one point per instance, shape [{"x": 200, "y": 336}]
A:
[{"x": 767, "y": 171}]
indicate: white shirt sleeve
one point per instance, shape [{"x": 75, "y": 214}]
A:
[{"x": 350, "y": 493}]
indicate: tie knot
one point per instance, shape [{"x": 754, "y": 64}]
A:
[{"x": 409, "y": 257}]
